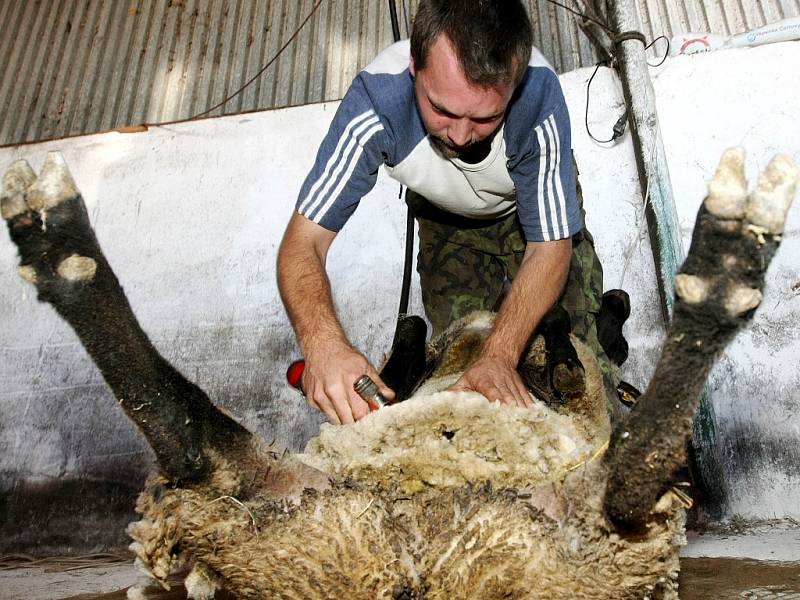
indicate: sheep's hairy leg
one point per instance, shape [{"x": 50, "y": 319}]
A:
[
  {"x": 614, "y": 311},
  {"x": 60, "y": 255},
  {"x": 718, "y": 289}
]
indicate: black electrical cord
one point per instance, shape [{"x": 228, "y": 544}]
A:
[
  {"x": 395, "y": 22},
  {"x": 666, "y": 53},
  {"x": 405, "y": 290},
  {"x": 265, "y": 67},
  {"x": 584, "y": 16},
  {"x": 619, "y": 126}
]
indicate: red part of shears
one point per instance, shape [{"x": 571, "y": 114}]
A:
[{"x": 294, "y": 374}]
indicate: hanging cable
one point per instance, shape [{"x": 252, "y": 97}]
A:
[
  {"x": 395, "y": 23},
  {"x": 583, "y": 16},
  {"x": 405, "y": 290},
  {"x": 666, "y": 53},
  {"x": 619, "y": 127},
  {"x": 265, "y": 67}
]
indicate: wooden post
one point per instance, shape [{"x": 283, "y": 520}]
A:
[{"x": 661, "y": 214}]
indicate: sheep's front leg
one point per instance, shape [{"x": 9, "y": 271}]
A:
[
  {"x": 60, "y": 255},
  {"x": 718, "y": 290}
]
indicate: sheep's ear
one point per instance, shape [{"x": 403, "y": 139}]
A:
[{"x": 718, "y": 289}]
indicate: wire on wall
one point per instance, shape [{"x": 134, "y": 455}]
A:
[
  {"x": 265, "y": 67},
  {"x": 583, "y": 15},
  {"x": 619, "y": 127}
]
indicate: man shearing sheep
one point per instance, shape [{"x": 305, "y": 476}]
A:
[{"x": 472, "y": 120}]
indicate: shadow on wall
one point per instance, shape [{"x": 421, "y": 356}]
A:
[{"x": 67, "y": 516}]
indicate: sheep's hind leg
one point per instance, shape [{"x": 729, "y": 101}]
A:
[
  {"x": 614, "y": 311},
  {"x": 60, "y": 255},
  {"x": 718, "y": 289}
]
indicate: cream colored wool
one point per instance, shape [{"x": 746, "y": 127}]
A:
[
  {"x": 450, "y": 439},
  {"x": 445, "y": 496}
]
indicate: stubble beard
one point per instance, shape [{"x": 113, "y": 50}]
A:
[{"x": 446, "y": 150}]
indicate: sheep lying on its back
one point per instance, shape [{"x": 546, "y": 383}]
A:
[{"x": 443, "y": 496}]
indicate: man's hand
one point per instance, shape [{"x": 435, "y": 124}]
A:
[
  {"x": 328, "y": 383},
  {"x": 497, "y": 379},
  {"x": 332, "y": 364},
  {"x": 536, "y": 287}
]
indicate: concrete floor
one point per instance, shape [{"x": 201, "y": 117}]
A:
[
  {"x": 36, "y": 583},
  {"x": 765, "y": 542},
  {"x": 772, "y": 570}
]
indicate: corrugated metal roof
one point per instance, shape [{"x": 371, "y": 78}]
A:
[{"x": 81, "y": 66}]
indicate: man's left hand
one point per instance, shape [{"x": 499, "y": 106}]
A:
[
  {"x": 497, "y": 379},
  {"x": 536, "y": 287}
]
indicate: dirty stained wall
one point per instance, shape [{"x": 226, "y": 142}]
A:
[{"x": 190, "y": 216}]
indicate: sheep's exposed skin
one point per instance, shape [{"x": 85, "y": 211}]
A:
[{"x": 443, "y": 496}]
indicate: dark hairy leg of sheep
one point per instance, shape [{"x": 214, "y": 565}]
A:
[
  {"x": 60, "y": 255},
  {"x": 406, "y": 365},
  {"x": 564, "y": 375},
  {"x": 717, "y": 291},
  {"x": 614, "y": 311},
  {"x": 565, "y": 370}
]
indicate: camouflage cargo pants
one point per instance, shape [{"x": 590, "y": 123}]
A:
[{"x": 464, "y": 263}]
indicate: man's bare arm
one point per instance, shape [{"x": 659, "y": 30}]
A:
[
  {"x": 538, "y": 284},
  {"x": 332, "y": 364}
]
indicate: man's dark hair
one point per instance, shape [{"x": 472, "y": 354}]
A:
[{"x": 492, "y": 38}]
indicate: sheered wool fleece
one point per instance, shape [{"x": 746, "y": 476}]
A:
[{"x": 443, "y": 496}]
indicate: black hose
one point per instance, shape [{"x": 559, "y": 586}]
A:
[
  {"x": 393, "y": 16},
  {"x": 409, "y": 256},
  {"x": 405, "y": 290}
]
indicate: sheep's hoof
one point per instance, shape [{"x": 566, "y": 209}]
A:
[
  {"x": 48, "y": 222},
  {"x": 569, "y": 378}
]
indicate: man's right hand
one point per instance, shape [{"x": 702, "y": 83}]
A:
[
  {"x": 328, "y": 381},
  {"x": 332, "y": 364}
]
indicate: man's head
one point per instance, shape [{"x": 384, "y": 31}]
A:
[{"x": 467, "y": 56}]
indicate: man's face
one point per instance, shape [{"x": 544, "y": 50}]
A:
[{"x": 457, "y": 114}]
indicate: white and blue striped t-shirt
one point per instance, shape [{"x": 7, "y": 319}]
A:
[{"x": 529, "y": 167}]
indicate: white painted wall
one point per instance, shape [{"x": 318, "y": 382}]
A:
[
  {"x": 190, "y": 216},
  {"x": 706, "y": 104}
]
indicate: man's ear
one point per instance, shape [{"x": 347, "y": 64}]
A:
[{"x": 411, "y": 68}]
